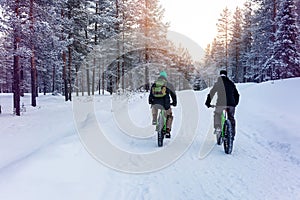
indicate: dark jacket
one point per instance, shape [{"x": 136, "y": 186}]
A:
[
  {"x": 227, "y": 93},
  {"x": 164, "y": 101}
]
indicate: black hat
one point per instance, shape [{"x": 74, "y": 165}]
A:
[{"x": 223, "y": 72}]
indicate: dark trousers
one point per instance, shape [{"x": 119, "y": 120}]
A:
[{"x": 217, "y": 116}]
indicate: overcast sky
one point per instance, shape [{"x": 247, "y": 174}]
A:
[{"x": 196, "y": 19}]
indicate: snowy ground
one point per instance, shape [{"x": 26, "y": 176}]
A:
[{"x": 42, "y": 156}]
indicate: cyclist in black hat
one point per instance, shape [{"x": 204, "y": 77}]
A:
[{"x": 228, "y": 97}]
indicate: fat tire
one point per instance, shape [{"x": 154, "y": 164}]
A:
[
  {"x": 228, "y": 140},
  {"x": 160, "y": 135},
  {"x": 160, "y": 139}
]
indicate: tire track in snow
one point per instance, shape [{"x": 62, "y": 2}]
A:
[
  {"x": 33, "y": 150},
  {"x": 271, "y": 170}
]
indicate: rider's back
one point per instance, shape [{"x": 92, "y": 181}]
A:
[
  {"x": 227, "y": 92},
  {"x": 164, "y": 100}
]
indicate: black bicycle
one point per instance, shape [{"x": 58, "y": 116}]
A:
[{"x": 225, "y": 134}]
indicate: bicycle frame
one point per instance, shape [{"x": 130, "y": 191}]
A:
[
  {"x": 162, "y": 126},
  {"x": 223, "y": 119}
]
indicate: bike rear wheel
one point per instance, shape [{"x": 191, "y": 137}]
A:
[
  {"x": 160, "y": 138},
  {"x": 228, "y": 137}
]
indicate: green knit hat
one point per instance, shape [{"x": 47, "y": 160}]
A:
[{"x": 163, "y": 74}]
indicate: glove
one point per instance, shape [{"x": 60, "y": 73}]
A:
[
  {"x": 208, "y": 100},
  {"x": 174, "y": 104},
  {"x": 151, "y": 101},
  {"x": 208, "y": 105}
]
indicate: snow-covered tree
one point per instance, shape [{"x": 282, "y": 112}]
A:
[
  {"x": 264, "y": 28},
  {"x": 223, "y": 36},
  {"x": 6, "y": 58},
  {"x": 285, "y": 61},
  {"x": 247, "y": 41},
  {"x": 297, "y": 3},
  {"x": 15, "y": 13},
  {"x": 235, "y": 46},
  {"x": 209, "y": 63},
  {"x": 149, "y": 22}
]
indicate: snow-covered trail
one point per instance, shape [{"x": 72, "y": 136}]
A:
[
  {"x": 264, "y": 165},
  {"x": 38, "y": 127}
]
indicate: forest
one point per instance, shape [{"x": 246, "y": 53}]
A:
[
  {"x": 88, "y": 47},
  {"x": 256, "y": 43}
]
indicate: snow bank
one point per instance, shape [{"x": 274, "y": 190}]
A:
[{"x": 41, "y": 156}]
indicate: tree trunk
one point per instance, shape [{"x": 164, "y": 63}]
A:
[
  {"x": 82, "y": 84},
  {"x": 123, "y": 74},
  {"x": 88, "y": 80},
  {"x": 45, "y": 86},
  {"x": 146, "y": 54},
  {"x": 33, "y": 79},
  {"x": 123, "y": 51},
  {"x": 118, "y": 68},
  {"x": 16, "y": 65},
  {"x": 274, "y": 32},
  {"x": 65, "y": 76},
  {"x": 32, "y": 59},
  {"x": 16, "y": 83},
  {"x": 70, "y": 75},
  {"x": 53, "y": 79},
  {"x": 94, "y": 67},
  {"x": 103, "y": 76},
  {"x": 118, "y": 48},
  {"x": 226, "y": 47},
  {"x": 237, "y": 78},
  {"x": 77, "y": 81},
  {"x": 99, "y": 79},
  {"x": 22, "y": 85},
  {"x": 93, "y": 78},
  {"x": 64, "y": 64}
]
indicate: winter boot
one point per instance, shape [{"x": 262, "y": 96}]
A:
[{"x": 168, "y": 133}]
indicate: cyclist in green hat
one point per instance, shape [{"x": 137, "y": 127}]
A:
[{"x": 159, "y": 98}]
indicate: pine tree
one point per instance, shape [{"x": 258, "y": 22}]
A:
[
  {"x": 286, "y": 57},
  {"x": 297, "y": 3},
  {"x": 44, "y": 40},
  {"x": 13, "y": 48},
  {"x": 246, "y": 43},
  {"x": 217, "y": 54},
  {"x": 75, "y": 19},
  {"x": 210, "y": 63},
  {"x": 235, "y": 46},
  {"x": 149, "y": 22},
  {"x": 16, "y": 65},
  {"x": 223, "y": 27},
  {"x": 264, "y": 28},
  {"x": 6, "y": 51}
]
